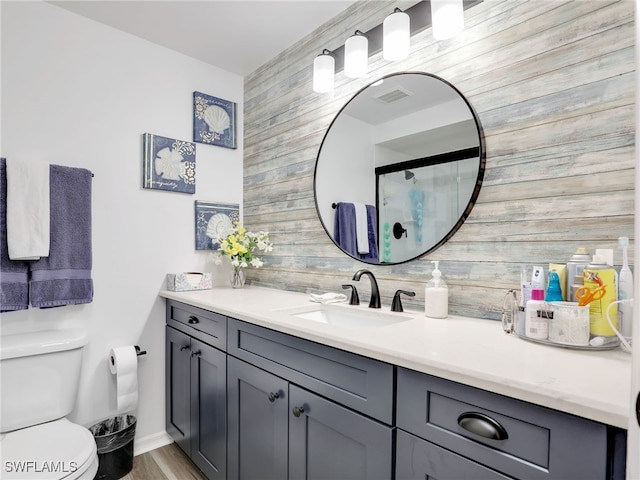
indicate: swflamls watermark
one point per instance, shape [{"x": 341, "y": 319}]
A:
[{"x": 32, "y": 466}]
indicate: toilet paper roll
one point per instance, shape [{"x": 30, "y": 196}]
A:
[{"x": 123, "y": 363}]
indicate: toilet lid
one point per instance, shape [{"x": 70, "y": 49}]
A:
[{"x": 51, "y": 450}]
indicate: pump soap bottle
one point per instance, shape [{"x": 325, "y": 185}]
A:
[{"x": 436, "y": 295}]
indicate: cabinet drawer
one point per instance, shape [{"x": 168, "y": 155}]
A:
[
  {"x": 418, "y": 459},
  {"x": 202, "y": 324},
  {"x": 361, "y": 383},
  {"x": 536, "y": 442}
]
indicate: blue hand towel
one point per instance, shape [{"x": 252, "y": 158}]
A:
[
  {"x": 64, "y": 277},
  {"x": 14, "y": 280},
  {"x": 344, "y": 230}
]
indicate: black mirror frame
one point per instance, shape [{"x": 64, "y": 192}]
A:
[{"x": 472, "y": 199}]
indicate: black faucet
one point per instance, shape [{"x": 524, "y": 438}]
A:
[
  {"x": 355, "y": 299},
  {"x": 396, "y": 304},
  {"x": 375, "y": 294}
]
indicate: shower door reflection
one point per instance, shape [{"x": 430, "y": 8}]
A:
[{"x": 424, "y": 200}]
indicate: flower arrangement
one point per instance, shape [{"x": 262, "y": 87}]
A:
[{"x": 241, "y": 247}]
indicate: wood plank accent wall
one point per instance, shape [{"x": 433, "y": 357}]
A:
[{"x": 553, "y": 83}]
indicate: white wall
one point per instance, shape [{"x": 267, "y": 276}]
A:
[
  {"x": 78, "y": 93},
  {"x": 348, "y": 150}
]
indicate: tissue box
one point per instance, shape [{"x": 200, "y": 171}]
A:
[{"x": 184, "y": 282}]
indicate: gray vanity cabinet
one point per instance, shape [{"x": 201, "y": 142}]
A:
[
  {"x": 280, "y": 430},
  {"x": 196, "y": 386},
  {"x": 251, "y": 403}
]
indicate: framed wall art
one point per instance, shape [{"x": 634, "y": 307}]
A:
[
  {"x": 214, "y": 120},
  {"x": 168, "y": 164},
  {"x": 213, "y": 219}
]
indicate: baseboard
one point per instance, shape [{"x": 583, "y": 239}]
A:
[{"x": 151, "y": 442}]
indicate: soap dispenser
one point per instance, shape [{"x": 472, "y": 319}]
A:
[{"x": 436, "y": 295}]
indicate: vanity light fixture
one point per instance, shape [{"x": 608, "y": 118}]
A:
[
  {"x": 392, "y": 37},
  {"x": 396, "y": 36},
  {"x": 447, "y": 18},
  {"x": 356, "y": 55},
  {"x": 323, "y": 72}
]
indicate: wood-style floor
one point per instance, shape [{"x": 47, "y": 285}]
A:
[{"x": 165, "y": 463}]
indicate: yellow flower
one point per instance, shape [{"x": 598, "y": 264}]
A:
[{"x": 240, "y": 246}]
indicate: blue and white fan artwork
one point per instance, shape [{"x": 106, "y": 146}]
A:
[
  {"x": 214, "y": 219},
  {"x": 214, "y": 120},
  {"x": 169, "y": 164}
]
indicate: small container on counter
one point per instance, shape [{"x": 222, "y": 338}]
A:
[{"x": 569, "y": 323}]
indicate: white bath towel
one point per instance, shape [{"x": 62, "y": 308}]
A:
[
  {"x": 28, "y": 218},
  {"x": 362, "y": 228}
]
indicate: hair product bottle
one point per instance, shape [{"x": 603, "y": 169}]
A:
[
  {"x": 575, "y": 267},
  {"x": 597, "y": 274}
]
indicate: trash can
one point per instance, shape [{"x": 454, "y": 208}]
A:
[{"x": 114, "y": 439}]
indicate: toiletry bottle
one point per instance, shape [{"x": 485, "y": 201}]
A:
[
  {"x": 537, "y": 278},
  {"x": 554, "y": 293},
  {"x": 575, "y": 266},
  {"x": 625, "y": 292},
  {"x": 436, "y": 295},
  {"x": 596, "y": 274},
  {"x": 536, "y": 321}
]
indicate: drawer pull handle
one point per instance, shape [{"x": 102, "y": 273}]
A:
[
  {"x": 297, "y": 411},
  {"x": 193, "y": 320},
  {"x": 196, "y": 353},
  {"x": 273, "y": 396},
  {"x": 185, "y": 347},
  {"x": 482, "y": 425}
]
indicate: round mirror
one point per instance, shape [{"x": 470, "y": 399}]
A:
[{"x": 399, "y": 168}]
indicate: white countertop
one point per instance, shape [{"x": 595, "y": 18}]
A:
[{"x": 476, "y": 352}]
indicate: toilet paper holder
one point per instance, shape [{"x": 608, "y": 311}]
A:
[{"x": 139, "y": 351}]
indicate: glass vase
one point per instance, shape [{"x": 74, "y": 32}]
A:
[{"x": 237, "y": 278}]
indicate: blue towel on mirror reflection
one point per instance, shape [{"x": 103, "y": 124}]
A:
[
  {"x": 64, "y": 277},
  {"x": 344, "y": 231},
  {"x": 14, "y": 274}
]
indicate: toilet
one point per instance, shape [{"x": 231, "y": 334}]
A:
[{"x": 40, "y": 375}]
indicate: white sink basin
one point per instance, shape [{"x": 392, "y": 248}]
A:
[{"x": 347, "y": 316}]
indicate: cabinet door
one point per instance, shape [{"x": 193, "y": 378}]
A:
[
  {"x": 209, "y": 409},
  {"x": 258, "y": 417},
  {"x": 330, "y": 442},
  {"x": 418, "y": 459},
  {"x": 177, "y": 387}
]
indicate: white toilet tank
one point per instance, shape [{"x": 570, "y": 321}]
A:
[{"x": 39, "y": 376}]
